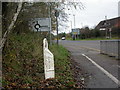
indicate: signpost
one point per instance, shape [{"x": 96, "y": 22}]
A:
[
  {"x": 75, "y": 33},
  {"x": 48, "y": 61}
]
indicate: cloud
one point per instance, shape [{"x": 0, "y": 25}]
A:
[{"x": 96, "y": 10}]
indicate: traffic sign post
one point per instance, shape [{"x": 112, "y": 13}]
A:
[
  {"x": 75, "y": 33},
  {"x": 57, "y": 15}
]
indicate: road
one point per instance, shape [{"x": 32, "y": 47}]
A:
[{"x": 103, "y": 71}]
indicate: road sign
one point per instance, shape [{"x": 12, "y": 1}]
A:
[
  {"x": 40, "y": 24},
  {"x": 76, "y": 31}
]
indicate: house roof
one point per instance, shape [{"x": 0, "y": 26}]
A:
[{"x": 109, "y": 23}]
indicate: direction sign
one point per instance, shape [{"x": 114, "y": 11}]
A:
[
  {"x": 40, "y": 24},
  {"x": 76, "y": 31}
]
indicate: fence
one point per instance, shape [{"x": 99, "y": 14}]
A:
[
  {"x": 48, "y": 61},
  {"x": 110, "y": 47}
]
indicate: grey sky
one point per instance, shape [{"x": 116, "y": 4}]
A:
[{"x": 94, "y": 12}]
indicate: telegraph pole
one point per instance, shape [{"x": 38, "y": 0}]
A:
[{"x": 74, "y": 26}]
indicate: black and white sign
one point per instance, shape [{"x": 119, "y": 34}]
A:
[{"x": 41, "y": 24}]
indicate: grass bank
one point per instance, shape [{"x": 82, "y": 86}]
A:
[
  {"x": 23, "y": 64},
  {"x": 22, "y": 61},
  {"x": 93, "y": 39}
]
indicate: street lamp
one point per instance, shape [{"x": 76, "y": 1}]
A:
[
  {"x": 71, "y": 24},
  {"x": 74, "y": 24},
  {"x": 74, "y": 20}
]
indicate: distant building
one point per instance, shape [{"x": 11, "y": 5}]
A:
[
  {"x": 109, "y": 27},
  {"x": 109, "y": 24}
]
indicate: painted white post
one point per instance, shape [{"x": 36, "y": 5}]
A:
[{"x": 48, "y": 61}]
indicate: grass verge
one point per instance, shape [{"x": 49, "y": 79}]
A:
[
  {"x": 93, "y": 39},
  {"x": 62, "y": 66}
]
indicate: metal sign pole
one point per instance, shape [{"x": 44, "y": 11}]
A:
[
  {"x": 57, "y": 30},
  {"x": 50, "y": 32},
  {"x": 57, "y": 15},
  {"x": 50, "y": 21}
]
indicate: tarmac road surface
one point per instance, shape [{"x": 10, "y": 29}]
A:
[{"x": 103, "y": 71}]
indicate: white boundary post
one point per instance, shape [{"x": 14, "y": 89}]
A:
[{"x": 48, "y": 61}]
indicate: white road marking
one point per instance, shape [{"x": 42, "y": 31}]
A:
[{"x": 103, "y": 70}]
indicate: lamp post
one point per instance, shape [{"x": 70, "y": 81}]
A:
[
  {"x": 74, "y": 24},
  {"x": 74, "y": 20},
  {"x": 71, "y": 25}
]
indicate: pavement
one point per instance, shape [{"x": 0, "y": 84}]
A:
[{"x": 102, "y": 71}]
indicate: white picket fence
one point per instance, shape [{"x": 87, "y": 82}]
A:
[{"x": 48, "y": 61}]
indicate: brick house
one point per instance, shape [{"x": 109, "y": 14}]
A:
[
  {"x": 109, "y": 26},
  {"x": 109, "y": 23}
]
